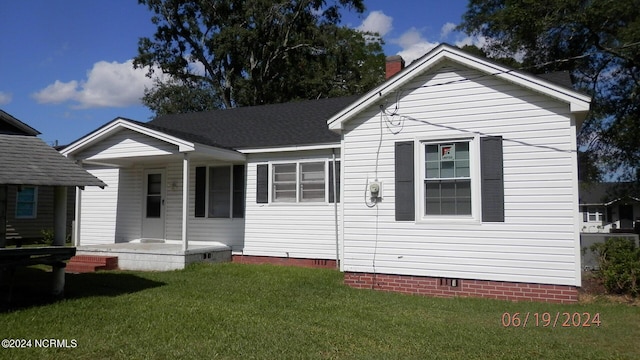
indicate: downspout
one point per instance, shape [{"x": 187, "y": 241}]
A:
[{"x": 335, "y": 208}]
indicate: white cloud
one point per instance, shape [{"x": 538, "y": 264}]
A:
[
  {"x": 447, "y": 29},
  {"x": 5, "y": 98},
  {"x": 413, "y": 45},
  {"x": 376, "y": 22},
  {"x": 108, "y": 84},
  {"x": 57, "y": 92}
]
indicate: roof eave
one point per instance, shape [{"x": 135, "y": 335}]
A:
[{"x": 118, "y": 124}]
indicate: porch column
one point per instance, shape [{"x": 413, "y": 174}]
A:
[
  {"x": 60, "y": 215},
  {"x": 76, "y": 222},
  {"x": 185, "y": 201},
  {"x": 59, "y": 235}
]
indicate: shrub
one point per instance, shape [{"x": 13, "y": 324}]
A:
[
  {"x": 619, "y": 262},
  {"x": 47, "y": 236}
]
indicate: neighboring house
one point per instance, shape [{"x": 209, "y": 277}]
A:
[
  {"x": 32, "y": 174},
  {"x": 28, "y": 186},
  {"x": 455, "y": 177},
  {"x": 603, "y": 210}
]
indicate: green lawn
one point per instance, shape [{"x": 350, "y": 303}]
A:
[{"x": 235, "y": 311}]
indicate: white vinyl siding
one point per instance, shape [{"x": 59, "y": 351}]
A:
[
  {"x": 99, "y": 208},
  {"x": 289, "y": 229},
  {"x": 127, "y": 144},
  {"x": 537, "y": 240}
]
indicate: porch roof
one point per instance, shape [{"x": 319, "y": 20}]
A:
[{"x": 27, "y": 160}]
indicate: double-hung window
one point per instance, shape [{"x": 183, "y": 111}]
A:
[
  {"x": 220, "y": 191},
  {"x": 447, "y": 179},
  {"x": 27, "y": 202},
  {"x": 299, "y": 182},
  {"x": 460, "y": 178}
]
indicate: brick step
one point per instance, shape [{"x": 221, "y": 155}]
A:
[
  {"x": 91, "y": 263},
  {"x": 78, "y": 267},
  {"x": 111, "y": 262}
]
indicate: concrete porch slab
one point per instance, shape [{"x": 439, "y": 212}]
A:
[{"x": 158, "y": 256}]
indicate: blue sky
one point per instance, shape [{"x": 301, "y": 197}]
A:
[{"x": 66, "y": 64}]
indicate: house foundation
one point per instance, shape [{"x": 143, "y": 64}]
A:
[
  {"x": 449, "y": 287},
  {"x": 287, "y": 261},
  {"x": 158, "y": 256}
]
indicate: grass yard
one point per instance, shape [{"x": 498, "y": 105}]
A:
[{"x": 235, "y": 311}]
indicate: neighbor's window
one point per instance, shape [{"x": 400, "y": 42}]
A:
[
  {"x": 299, "y": 182},
  {"x": 26, "y": 202},
  {"x": 593, "y": 214},
  {"x": 447, "y": 178}
]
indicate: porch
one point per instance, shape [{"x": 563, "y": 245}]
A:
[{"x": 158, "y": 256}]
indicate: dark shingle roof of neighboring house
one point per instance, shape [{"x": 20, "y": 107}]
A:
[
  {"x": 562, "y": 78},
  {"x": 27, "y": 160},
  {"x": 293, "y": 123},
  {"x": 11, "y": 125},
  {"x": 604, "y": 193}
]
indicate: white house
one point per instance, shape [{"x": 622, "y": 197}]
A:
[
  {"x": 604, "y": 209},
  {"x": 455, "y": 177}
]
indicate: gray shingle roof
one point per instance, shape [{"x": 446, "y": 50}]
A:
[
  {"x": 293, "y": 123},
  {"x": 27, "y": 160},
  {"x": 606, "y": 192}
]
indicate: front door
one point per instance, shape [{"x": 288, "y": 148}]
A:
[
  {"x": 153, "y": 205},
  {"x": 626, "y": 216}
]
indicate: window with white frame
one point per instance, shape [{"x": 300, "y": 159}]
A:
[
  {"x": 447, "y": 178},
  {"x": 593, "y": 214},
  {"x": 27, "y": 202},
  {"x": 299, "y": 182}
]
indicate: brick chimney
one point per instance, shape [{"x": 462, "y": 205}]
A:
[{"x": 395, "y": 64}]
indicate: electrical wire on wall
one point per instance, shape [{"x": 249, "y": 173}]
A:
[{"x": 394, "y": 121}]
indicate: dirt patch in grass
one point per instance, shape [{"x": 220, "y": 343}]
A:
[{"x": 593, "y": 290}]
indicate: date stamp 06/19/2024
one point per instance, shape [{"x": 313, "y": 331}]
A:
[{"x": 550, "y": 319}]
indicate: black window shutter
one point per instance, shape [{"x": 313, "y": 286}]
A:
[
  {"x": 331, "y": 200},
  {"x": 201, "y": 188},
  {"x": 238, "y": 191},
  {"x": 492, "y": 182},
  {"x": 405, "y": 190},
  {"x": 262, "y": 184}
]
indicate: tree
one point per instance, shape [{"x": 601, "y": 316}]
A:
[
  {"x": 598, "y": 41},
  {"x": 251, "y": 52},
  {"x": 174, "y": 97}
]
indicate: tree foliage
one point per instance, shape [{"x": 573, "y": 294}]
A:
[
  {"x": 175, "y": 97},
  {"x": 598, "y": 41},
  {"x": 250, "y": 52}
]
